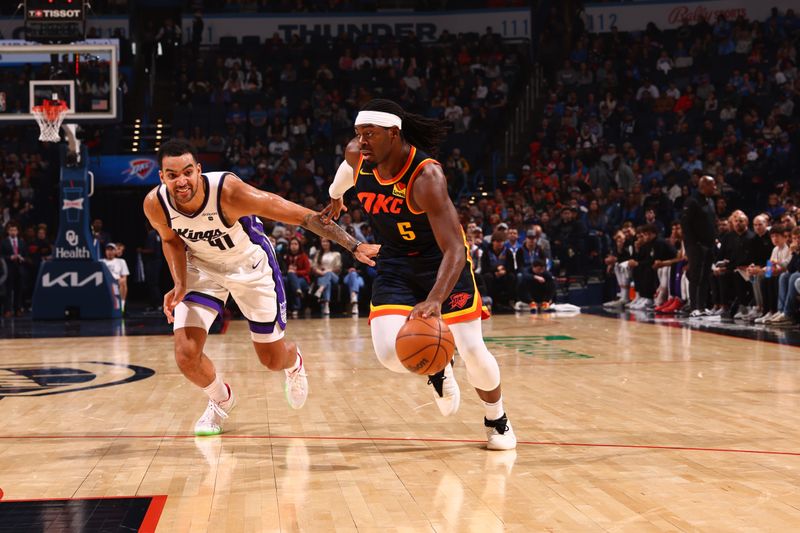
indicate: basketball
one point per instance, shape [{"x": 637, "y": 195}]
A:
[{"x": 425, "y": 345}]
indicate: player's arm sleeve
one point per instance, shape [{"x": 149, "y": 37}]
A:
[{"x": 342, "y": 181}]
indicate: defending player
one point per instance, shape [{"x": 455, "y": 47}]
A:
[
  {"x": 215, "y": 245},
  {"x": 424, "y": 264}
]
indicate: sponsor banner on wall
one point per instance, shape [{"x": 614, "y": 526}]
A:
[
  {"x": 509, "y": 23},
  {"x": 635, "y": 16},
  {"x": 124, "y": 170},
  {"x": 96, "y": 27}
]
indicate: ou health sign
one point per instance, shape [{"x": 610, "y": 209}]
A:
[
  {"x": 125, "y": 170},
  {"x": 667, "y": 15}
]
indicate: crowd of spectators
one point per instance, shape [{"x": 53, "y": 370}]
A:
[
  {"x": 632, "y": 122},
  {"x": 304, "y": 6},
  {"x": 279, "y": 113},
  {"x": 25, "y": 216},
  {"x": 279, "y": 117},
  {"x": 629, "y": 125}
]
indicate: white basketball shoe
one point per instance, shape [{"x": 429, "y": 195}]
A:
[
  {"x": 499, "y": 434},
  {"x": 296, "y": 385},
  {"x": 445, "y": 390},
  {"x": 214, "y": 416}
]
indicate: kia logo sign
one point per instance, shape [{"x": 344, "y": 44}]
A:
[
  {"x": 139, "y": 169},
  {"x": 71, "y": 279}
]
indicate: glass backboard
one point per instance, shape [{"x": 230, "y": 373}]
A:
[{"x": 85, "y": 75}]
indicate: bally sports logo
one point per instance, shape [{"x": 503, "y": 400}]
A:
[
  {"x": 139, "y": 169},
  {"x": 694, "y": 14}
]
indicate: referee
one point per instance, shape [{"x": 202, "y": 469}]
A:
[{"x": 699, "y": 224}]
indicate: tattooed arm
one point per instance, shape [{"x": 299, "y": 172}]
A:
[
  {"x": 362, "y": 251},
  {"x": 240, "y": 199}
]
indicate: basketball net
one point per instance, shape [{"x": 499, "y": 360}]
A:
[{"x": 49, "y": 116}]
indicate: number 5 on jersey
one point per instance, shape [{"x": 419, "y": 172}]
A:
[{"x": 405, "y": 231}]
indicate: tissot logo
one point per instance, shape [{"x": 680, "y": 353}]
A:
[
  {"x": 54, "y": 13},
  {"x": 43, "y": 379}
]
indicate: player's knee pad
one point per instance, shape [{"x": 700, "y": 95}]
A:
[
  {"x": 482, "y": 370},
  {"x": 384, "y": 334}
]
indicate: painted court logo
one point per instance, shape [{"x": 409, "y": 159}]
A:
[
  {"x": 541, "y": 346},
  {"x": 44, "y": 379},
  {"x": 458, "y": 300}
]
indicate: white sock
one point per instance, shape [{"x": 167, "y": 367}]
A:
[
  {"x": 494, "y": 410},
  {"x": 218, "y": 390},
  {"x": 353, "y": 297},
  {"x": 296, "y": 364}
]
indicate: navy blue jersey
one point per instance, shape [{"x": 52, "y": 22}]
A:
[{"x": 400, "y": 230}]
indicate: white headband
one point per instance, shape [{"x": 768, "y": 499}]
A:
[{"x": 378, "y": 118}]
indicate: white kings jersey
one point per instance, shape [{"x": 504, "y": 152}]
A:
[{"x": 208, "y": 236}]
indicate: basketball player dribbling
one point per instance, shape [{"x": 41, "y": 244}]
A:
[
  {"x": 424, "y": 265},
  {"x": 215, "y": 245}
]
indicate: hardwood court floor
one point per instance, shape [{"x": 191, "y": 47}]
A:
[{"x": 623, "y": 426}]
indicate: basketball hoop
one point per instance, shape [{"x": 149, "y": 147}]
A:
[{"x": 49, "y": 116}]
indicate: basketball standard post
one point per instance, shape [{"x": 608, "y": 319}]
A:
[{"x": 75, "y": 284}]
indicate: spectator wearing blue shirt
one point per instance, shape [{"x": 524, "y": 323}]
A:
[
  {"x": 496, "y": 265},
  {"x": 651, "y": 173},
  {"x": 726, "y": 46},
  {"x": 692, "y": 163},
  {"x": 538, "y": 288},
  {"x": 512, "y": 244},
  {"x": 244, "y": 169},
  {"x": 774, "y": 207}
]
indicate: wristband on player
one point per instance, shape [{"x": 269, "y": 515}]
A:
[{"x": 355, "y": 247}]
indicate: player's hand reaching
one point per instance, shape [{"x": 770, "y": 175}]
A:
[
  {"x": 171, "y": 300},
  {"x": 365, "y": 252},
  {"x": 426, "y": 309},
  {"x": 333, "y": 210}
]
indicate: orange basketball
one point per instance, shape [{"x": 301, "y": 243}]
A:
[{"x": 425, "y": 345}]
